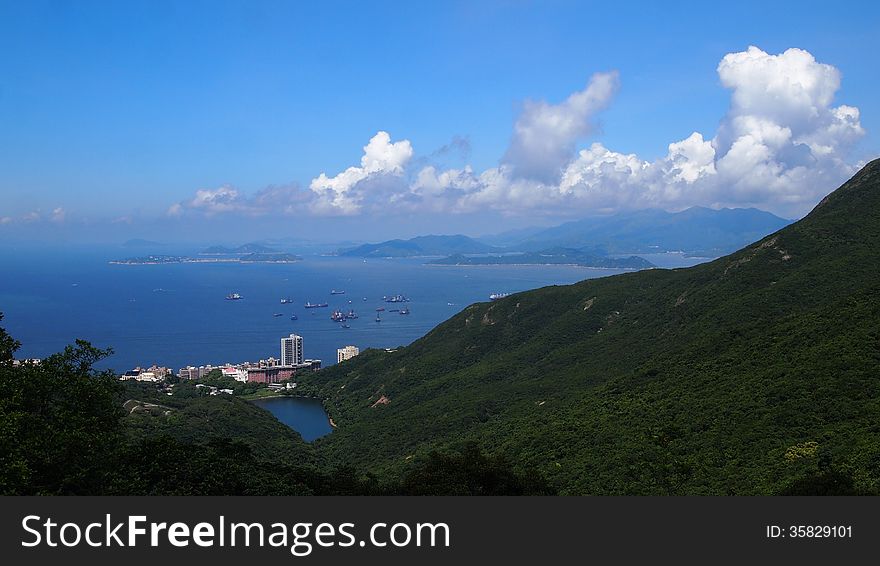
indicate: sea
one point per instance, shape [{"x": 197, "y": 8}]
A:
[{"x": 176, "y": 315}]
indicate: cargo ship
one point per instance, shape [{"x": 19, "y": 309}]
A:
[{"x": 337, "y": 316}]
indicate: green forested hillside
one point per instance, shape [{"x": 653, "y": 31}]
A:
[
  {"x": 756, "y": 373},
  {"x": 201, "y": 419}
]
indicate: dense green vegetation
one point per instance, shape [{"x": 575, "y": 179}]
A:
[
  {"x": 200, "y": 419},
  {"x": 753, "y": 374},
  {"x": 66, "y": 429}
]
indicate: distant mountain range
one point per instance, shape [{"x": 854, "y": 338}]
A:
[
  {"x": 697, "y": 230},
  {"x": 555, "y": 256}
]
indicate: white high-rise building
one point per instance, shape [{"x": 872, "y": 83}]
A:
[
  {"x": 346, "y": 353},
  {"x": 292, "y": 350}
]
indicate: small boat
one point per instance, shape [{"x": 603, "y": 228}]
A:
[
  {"x": 365, "y": 298},
  {"x": 286, "y": 301},
  {"x": 278, "y": 314},
  {"x": 378, "y": 319},
  {"x": 315, "y": 305},
  {"x": 404, "y": 310},
  {"x": 351, "y": 314},
  {"x": 234, "y": 297},
  {"x": 335, "y": 292},
  {"x": 394, "y": 310},
  {"x": 294, "y": 317},
  {"x": 380, "y": 309}
]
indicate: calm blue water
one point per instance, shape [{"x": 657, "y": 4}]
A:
[
  {"x": 176, "y": 315},
  {"x": 305, "y": 416}
]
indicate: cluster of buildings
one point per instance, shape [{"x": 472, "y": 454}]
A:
[
  {"x": 152, "y": 374},
  {"x": 270, "y": 371}
]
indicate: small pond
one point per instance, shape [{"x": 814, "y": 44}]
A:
[{"x": 304, "y": 415}]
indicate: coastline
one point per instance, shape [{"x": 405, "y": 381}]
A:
[
  {"x": 260, "y": 397},
  {"x": 535, "y": 265}
]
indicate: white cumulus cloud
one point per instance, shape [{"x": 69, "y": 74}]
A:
[
  {"x": 545, "y": 135},
  {"x": 382, "y": 162},
  {"x": 213, "y": 201},
  {"x": 782, "y": 145}
]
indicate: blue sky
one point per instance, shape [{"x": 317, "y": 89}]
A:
[{"x": 122, "y": 110}]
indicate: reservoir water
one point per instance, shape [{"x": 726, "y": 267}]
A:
[{"x": 305, "y": 416}]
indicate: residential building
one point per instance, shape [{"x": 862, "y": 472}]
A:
[
  {"x": 292, "y": 350},
  {"x": 270, "y": 375},
  {"x": 236, "y": 373},
  {"x": 346, "y": 353}
]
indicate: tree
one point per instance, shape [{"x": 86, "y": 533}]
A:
[{"x": 59, "y": 422}]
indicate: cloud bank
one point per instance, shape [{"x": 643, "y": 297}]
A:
[
  {"x": 781, "y": 146},
  {"x": 274, "y": 199}
]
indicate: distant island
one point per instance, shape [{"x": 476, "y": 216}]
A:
[
  {"x": 246, "y": 258},
  {"x": 420, "y": 246},
  {"x": 558, "y": 256}
]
